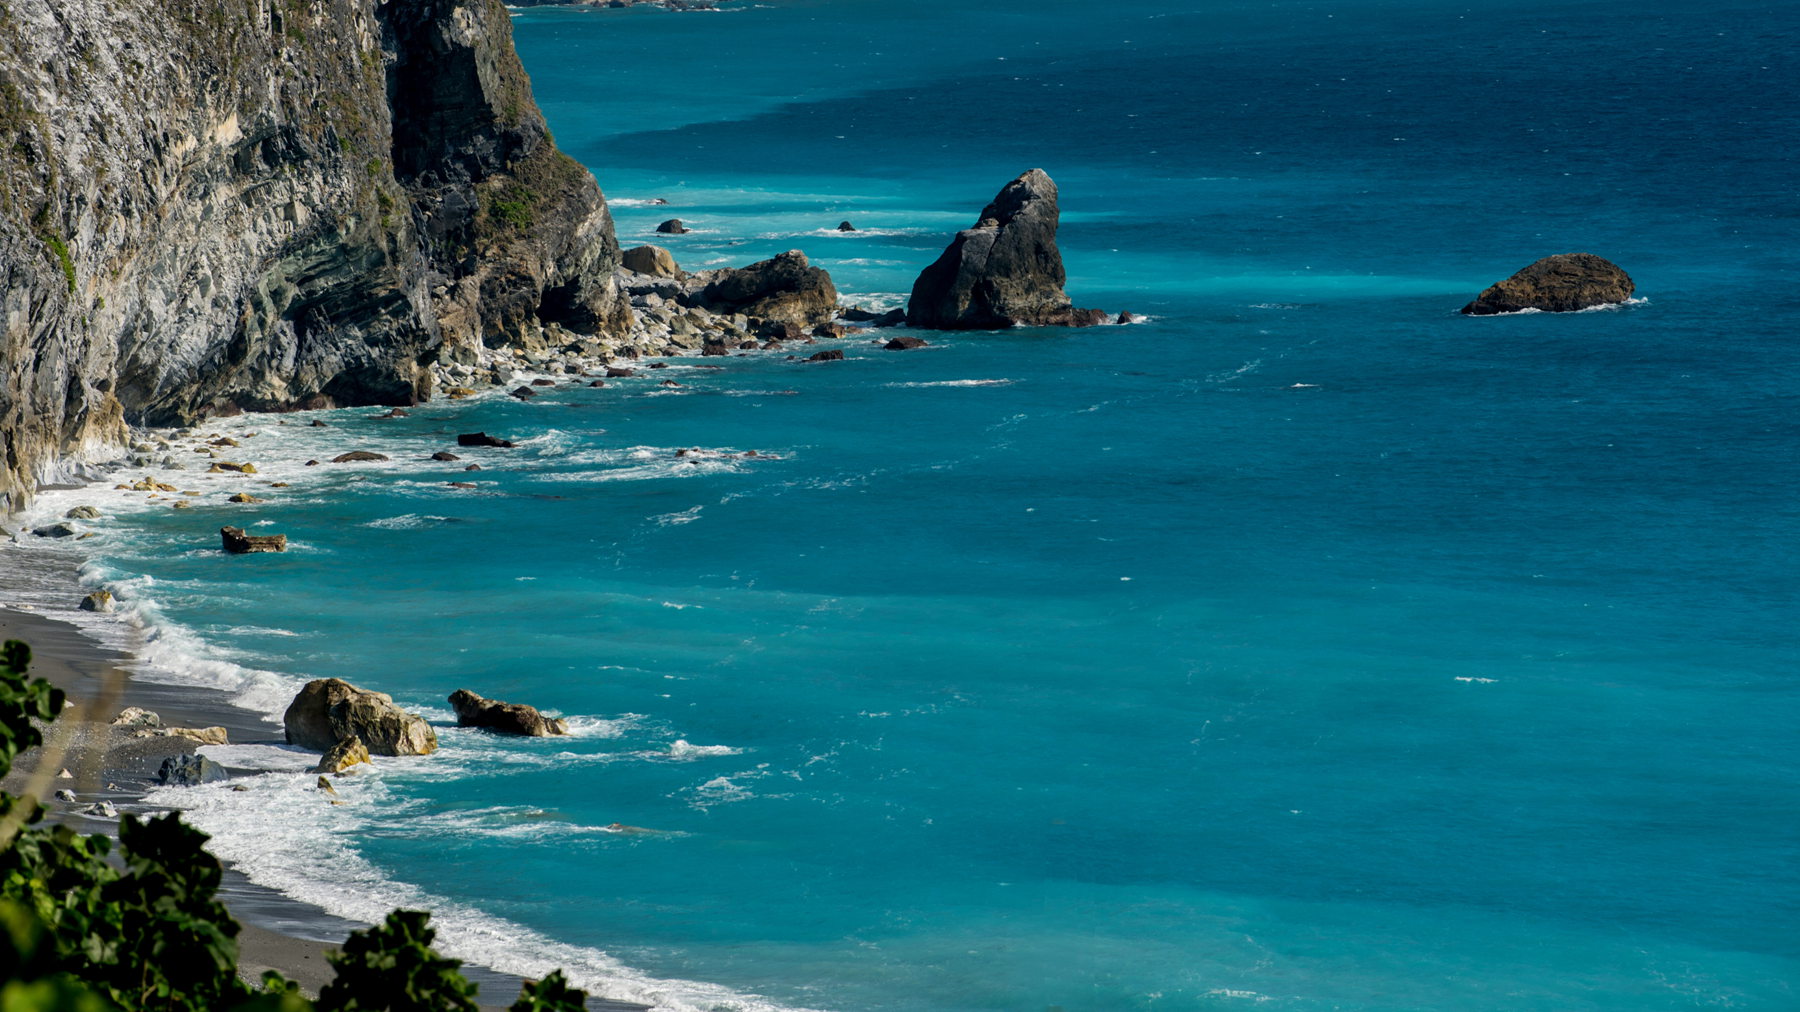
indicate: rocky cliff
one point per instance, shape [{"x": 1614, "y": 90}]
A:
[{"x": 209, "y": 206}]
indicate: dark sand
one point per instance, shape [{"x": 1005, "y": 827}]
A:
[{"x": 107, "y": 764}]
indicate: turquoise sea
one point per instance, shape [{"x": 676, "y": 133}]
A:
[{"x": 1308, "y": 646}]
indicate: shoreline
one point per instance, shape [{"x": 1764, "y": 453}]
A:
[{"x": 279, "y": 932}]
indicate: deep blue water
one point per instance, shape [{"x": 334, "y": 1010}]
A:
[{"x": 1309, "y": 646}]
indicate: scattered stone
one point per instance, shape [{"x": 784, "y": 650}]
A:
[
  {"x": 524, "y": 393},
  {"x": 391, "y": 413},
  {"x": 312, "y": 463},
  {"x": 444, "y": 455},
  {"x": 670, "y": 383},
  {"x": 617, "y": 372},
  {"x": 461, "y": 484},
  {"x": 906, "y": 342},
  {"x": 340, "y": 757},
  {"x": 238, "y": 543},
  {"x": 543, "y": 382},
  {"x": 103, "y": 809},
  {"x": 223, "y": 441},
  {"x": 673, "y": 227},
  {"x": 473, "y": 467},
  {"x": 325, "y": 785},
  {"x": 203, "y": 735},
  {"x": 844, "y": 226},
  {"x": 597, "y": 383},
  {"x": 652, "y": 260},
  {"x": 1563, "y": 283},
  {"x": 136, "y": 716},
  {"x": 1005, "y": 271},
  {"x": 64, "y": 794},
  {"x": 507, "y": 718},
  {"x": 1126, "y": 317},
  {"x": 328, "y": 710},
  {"x": 225, "y": 465},
  {"x": 62, "y": 529},
  {"x": 82, "y": 513},
  {"x": 659, "y": 365},
  {"x": 64, "y": 774},
  {"x": 273, "y": 484},
  {"x": 244, "y": 497},
  {"x": 357, "y": 455},
  {"x": 482, "y": 439},
  {"x": 834, "y": 355},
  {"x": 100, "y": 601},
  {"x": 190, "y": 771},
  {"x": 458, "y": 393}
]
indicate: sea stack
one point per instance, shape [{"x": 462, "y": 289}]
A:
[
  {"x": 1562, "y": 283},
  {"x": 1005, "y": 271}
]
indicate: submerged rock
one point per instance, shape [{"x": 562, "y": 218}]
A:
[
  {"x": 1563, "y": 283},
  {"x": 834, "y": 355},
  {"x": 1005, "y": 271},
  {"x": 507, "y": 718},
  {"x": 328, "y": 710},
  {"x": 482, "y": 439},
  {"x": 357, "y": 455}
]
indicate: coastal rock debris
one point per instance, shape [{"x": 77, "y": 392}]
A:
[
  {"x": 1005, "y": 271},
  {"x": 340, "y": 757},
  {"x": 189, "y": 770},
  {"x": 1563, "y": 283},
  {"x": 482, "y": 439},
  {"x": 329, "y": 710},
  {"x": 238, "y": 543},
  {"x": 473, "y": 710}
]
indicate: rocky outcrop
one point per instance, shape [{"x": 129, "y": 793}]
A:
[
  {"x": 1562, "y": 283},
  {"x": 214, "y": 207},
  {"x": 482, "y": 439},
  {"x": 329, "y": 710},
  {"x": 652, "y": 260},
  {"x": 236, "y": 542},
  {"x": 507, "y": 718},
  {"x": 1005, "y": 271},
  {"x": 783, "y": 289}
]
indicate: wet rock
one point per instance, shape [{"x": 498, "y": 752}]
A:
[
  {"x": 315, "y": 423},
  {"x": 444, "y": 455},
  {"x": 597, "y": 383},
  {"x": 616, "y": 372},
  {"x": 1005, "y": 271},
  {"x": 136, "y": 716},
  {"x": 99, "y": 601},
  {"x": 1125, "y": 317},
  {"x": 834, "y": 355},
  {"x": 357, "y": 455},
  {"x": 673, "y": 227},
  {"x": 190, "y": 771},
  {"x": 473, "y": 467},
  {"x": 312, "y": 463},
  {"x": 483, "y": 439},
  {"x": 102, "y": 809},
  {"x": 64, "y": 794},
  {"x": 243, "y": 497},
  {"x": 61, "y": 529},
  {"x": 237, "y": 542},
  {"x": 82, "y": 513},
  {"x": 507, "y": 718},
  {"x": 905, "y": 343},
  {"x": 541, "y": 382},
  {"x": 460, "y": 484},
  {"x": 328, "y": 710},
  {"x": 830, "y": 330},
  {"x": 783, "y": 288},
  {"x": 844, "y": 226},
  {"x": 345, "y": 754},
  {"x": 1564, "y": 283},
  {"x": 226, "y": 465},
  {"x": 652, "y": 260},
  {"x": 325, "y": 785},
  {"x": 524, "y": 393}
]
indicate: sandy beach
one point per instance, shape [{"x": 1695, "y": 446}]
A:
[{"x": 108, "y": 765}]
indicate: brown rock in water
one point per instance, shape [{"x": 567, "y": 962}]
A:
[
  {"x": 542, "y": 382},
  {"x": 905, "y": 343},
  {"x": 784, "y": 288},
  {"x": 328, "y": 710},
  {"x": 673, "y": 227},
  {"x": 597, "y": 383},
  {"x": 617, "y": 372},
  {"x": 243, "y": 497},
  {"x": 357, "y": 455},
  {"x": 239, "y": 543},
  {"x": 482, "y": 439},
  {"x": 1125, "y": 317},
  {"x": 1562, "y": 283},
  {"x": 473, "y": 467},
  {"x": 444, "y": 455},
  {"x": 316, "y": 424},
  {"x": 507, "y": 718},
  {"x": 340, "y": 757},
  {"x": 1005, "y": 271},
  {"x": 100, "y": 601},
  {"x": 461, "y": 484},
  {"x": 834, "y": 355},
  {"x": 225, "y": 465},
  {"x": 524, "y": 393}
]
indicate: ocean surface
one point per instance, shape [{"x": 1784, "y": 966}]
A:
[{"x": 1307, "y": 646}]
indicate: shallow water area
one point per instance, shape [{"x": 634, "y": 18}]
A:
[{"x": 1307, "y": 646}]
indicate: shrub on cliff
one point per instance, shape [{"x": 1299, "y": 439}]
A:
[{"x": 81, "y": 933}]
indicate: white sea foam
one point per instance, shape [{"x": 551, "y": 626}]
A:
[
  {"x": 956, "y": 383},
  {"x": 682, "y": 750},
  {"x": 409, "y": 521},
  {"x": 1478, "y": 681}
]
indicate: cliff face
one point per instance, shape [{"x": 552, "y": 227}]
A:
[{"x": 217, "y": 205}]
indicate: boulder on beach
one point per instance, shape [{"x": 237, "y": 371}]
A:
[
  {"x": 1005, "y": 271},
  {"x": 188, "y": 770},
  {"x": 673, "y": 227},
  {"x": 482, "y": 439},
  {"x": 136, "y": 716},
  {"x": 328, "y": 710},
  {"x": 473, "y": 710},
  {"x": 204, "y": 735},
  {"x": 783, "y": 288},
  {"x": 652, "y": 260},
  {"x": 343, "y": 755},
  {"x": 1563, "y": 283},
  {"x": 100, "y": 601}
]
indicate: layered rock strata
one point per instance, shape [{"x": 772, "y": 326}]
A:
[
  {"x": 1004, "y": 272},
  {"x": 1564, "y": 283},
  {"x": 214, "y": 207}
]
